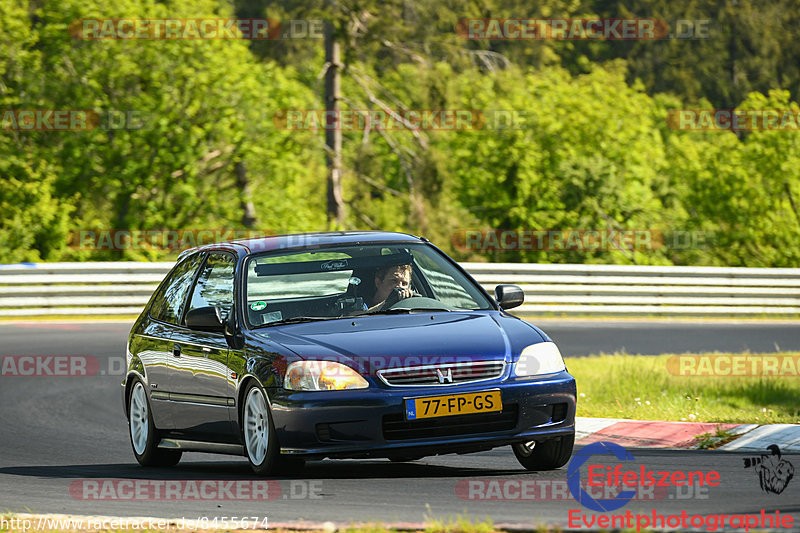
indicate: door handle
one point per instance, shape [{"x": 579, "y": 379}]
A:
[{"x": 176, "y": 350}]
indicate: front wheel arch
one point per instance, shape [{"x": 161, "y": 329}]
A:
[
  {"x": 260, "y": 442},
  {"x": 244, "y": 385}
]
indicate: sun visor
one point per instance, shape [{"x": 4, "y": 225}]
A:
[{"x": 334, "y": 265}]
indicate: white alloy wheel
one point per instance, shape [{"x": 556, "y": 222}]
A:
[
  {"x": 139, "y": 418},
  {"x": 143, "y": 432},
  {"x": 256, "y": 426}
]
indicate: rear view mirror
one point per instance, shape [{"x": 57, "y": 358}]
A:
[
  {"x": 205, "y": 319},
  {"x": 509, "y": 296}
]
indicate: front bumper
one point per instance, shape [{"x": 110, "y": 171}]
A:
[{"x": 371, "y": 422}]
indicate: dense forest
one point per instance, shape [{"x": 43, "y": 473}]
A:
[{"x": 563, "y": 135}]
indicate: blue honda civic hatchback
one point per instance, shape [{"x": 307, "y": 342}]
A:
[{"x": 343, "y": 345}]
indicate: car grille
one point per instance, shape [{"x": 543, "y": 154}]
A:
[
  {"x": 396, "y": 427},
  {"x": 437, "y": 375}
]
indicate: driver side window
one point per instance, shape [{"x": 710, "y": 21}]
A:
[
  {"x": 214, "y": 287},
  {"x": 168, "y": 303}
]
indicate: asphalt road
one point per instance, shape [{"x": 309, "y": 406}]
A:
[
  {"x": 63, "y": 438},
  {"x": 575, "y": 338}
]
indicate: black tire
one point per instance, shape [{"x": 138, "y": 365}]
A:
[
  {"x": 288, "y": 465},
  {"x": 258, "y": 432},
  {"x": 545, "y": 455},
  {"x": 140, "y": 419}
]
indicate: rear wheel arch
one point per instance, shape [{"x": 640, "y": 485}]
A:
[
  {"x": 142, "y": 430},
  {"x": 130, "y": 380}
]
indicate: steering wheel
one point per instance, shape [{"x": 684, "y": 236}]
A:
[{"x": 416, "y": 301}]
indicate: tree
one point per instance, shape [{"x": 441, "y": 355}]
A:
[
  {"x": 202, "y": 146},
  {"x": 34, "y": 220}
]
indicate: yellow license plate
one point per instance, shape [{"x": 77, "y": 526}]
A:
[{"x": 453, "y": 404}]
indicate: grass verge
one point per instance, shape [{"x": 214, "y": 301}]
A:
[{"x": 649, "y": 388}]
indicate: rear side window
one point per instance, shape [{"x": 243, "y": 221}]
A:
[
  {"x": 168, "y": 303},
  {"x": 214, "y": 287}
]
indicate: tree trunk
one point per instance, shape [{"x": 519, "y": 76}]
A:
[
  {"x": 246, "y": 200},
  {"x": 333, "y": 133}
]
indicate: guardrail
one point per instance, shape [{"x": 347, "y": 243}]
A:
[
  {"x": 110, "y": 288},
  {"x": 647, "y": 290},
  {"x": 102, "y": 288}
]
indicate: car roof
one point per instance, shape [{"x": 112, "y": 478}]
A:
[{"x": 305, "y": 240}]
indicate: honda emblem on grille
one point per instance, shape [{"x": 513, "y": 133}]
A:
[{"x": 445, "y": 378}]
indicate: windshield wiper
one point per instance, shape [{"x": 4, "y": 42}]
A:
[
  {"x": 298, "y": 320},
  {"x": 408, "y": 310}
]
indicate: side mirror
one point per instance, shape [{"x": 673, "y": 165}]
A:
[
  {"x": 205, "y": 318},
  {"x": 509, "y": 296}
]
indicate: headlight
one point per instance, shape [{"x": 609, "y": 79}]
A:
[
  {"x": 322, "y": 375},
  {"x": 541, "y": 358}
]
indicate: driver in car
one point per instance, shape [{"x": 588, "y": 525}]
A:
[{"x": 387, "y": 279}]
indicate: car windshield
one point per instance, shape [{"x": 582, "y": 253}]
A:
[{"x": 345, "y": 281}]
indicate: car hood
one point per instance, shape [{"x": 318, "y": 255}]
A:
[{"x": 388, "y": 341}]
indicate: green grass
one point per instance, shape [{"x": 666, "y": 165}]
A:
[
  {"x": 460, "y": 523},
  {"x": 709, "y": 441},
  {"x": 641, "y": 387}
]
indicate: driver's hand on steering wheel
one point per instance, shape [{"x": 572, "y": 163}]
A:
[
  {"x": 402, "y": 294},
  {"x": 397, "y": 294}
]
